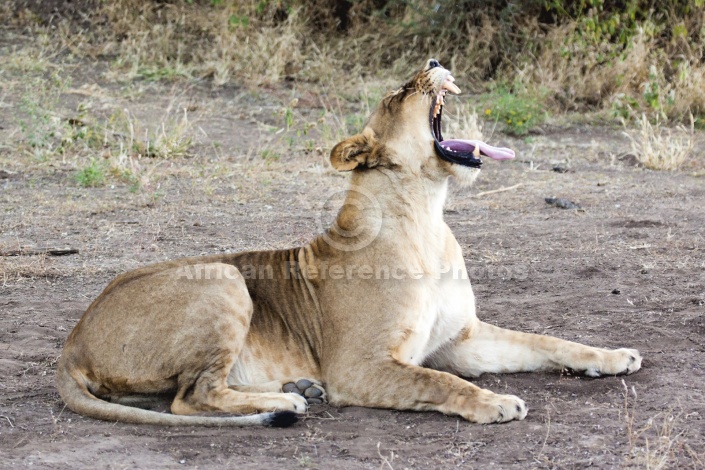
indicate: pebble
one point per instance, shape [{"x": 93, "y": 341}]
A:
[{"x": 562, "y": 203}]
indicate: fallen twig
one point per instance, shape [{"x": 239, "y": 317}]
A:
[
  {"x": 500, "y": 190},
  {"x": 329, "y": 418},
  {"x": 545, "y": 439},
  {"x": 40, "y": 251},
  {"x": 384, "y": 459}
]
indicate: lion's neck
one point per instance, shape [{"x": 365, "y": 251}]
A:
[
  {"x": 384, "y": 205},
  {"x": 402, "y": 195}
]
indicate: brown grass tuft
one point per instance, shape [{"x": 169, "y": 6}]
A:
[{"x": 660, "y": 148}]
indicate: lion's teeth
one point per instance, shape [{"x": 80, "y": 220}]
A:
[{"x": 450, "y": 86}]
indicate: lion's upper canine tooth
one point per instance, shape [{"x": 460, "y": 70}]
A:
[{"x": 450, "y": 86}]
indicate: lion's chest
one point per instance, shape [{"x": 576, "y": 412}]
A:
[{"x": 447, "y": 308}]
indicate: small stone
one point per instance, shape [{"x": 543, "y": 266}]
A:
[
  {"x": 562, "y": 203},
  {"x": 616, "y": 291}
]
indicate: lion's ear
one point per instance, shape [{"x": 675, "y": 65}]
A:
[{"x": 356, "y": 151}]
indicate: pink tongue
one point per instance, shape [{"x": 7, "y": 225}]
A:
[{"x": 461, "y": 145}]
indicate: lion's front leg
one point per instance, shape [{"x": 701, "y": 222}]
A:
[
  {"x": 395, "y": 385},
  {"x": 486, "y": 348}
]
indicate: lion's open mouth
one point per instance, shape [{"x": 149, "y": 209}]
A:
[{"x": 459, "y": 151}]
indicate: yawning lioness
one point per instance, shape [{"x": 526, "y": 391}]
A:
[{"x": 378, "y": 311}]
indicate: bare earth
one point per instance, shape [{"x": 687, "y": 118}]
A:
[{"x": 628, "y": 270}]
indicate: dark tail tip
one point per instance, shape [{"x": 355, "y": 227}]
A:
[{"x": 282, "y": 419}]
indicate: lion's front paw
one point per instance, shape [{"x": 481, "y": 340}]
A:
[
  {"x": 495, "y": 408},
  {"x": 311, "y": 390},
  {"x": 281, "y": 402},
  {"x": 617, "y": 362}
]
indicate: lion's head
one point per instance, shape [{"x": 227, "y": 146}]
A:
[{"x": 405, "y": 133}]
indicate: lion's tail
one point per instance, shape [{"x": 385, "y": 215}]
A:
[{"x": 79, "y": 399}]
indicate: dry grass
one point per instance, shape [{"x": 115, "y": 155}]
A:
[
  {"x": 170, "y": 41},
  {"x": 100, "y": 135},
  {"x": 660, "y": 148},
  {"x": 132, "y": 149},
  {"x": 18, "y": 269},
  {"x": 258, "y": 43},
  {"x": 465, "y": 123},
  {"x": 658, "y": 443},
  {"x": 171, "y": 137}
]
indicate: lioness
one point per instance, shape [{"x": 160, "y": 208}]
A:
[{"x": 378, "y": 311}]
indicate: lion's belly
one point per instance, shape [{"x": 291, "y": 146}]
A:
[{"x": 266, "y": 359}]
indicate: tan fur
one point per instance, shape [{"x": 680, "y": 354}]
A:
[{"x": 378, "y": 309}]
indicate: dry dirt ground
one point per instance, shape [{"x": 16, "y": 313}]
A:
[{"x": 626, "y": 270}]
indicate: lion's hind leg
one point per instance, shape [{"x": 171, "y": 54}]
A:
[
  {"x": 217, "y": 326},
  {"x": 210, "y": 393}
]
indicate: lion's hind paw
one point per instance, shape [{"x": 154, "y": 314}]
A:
[{"x": 311, "y": 390}]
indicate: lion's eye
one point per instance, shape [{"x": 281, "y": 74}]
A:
[{"x": 433, "y": 63}]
